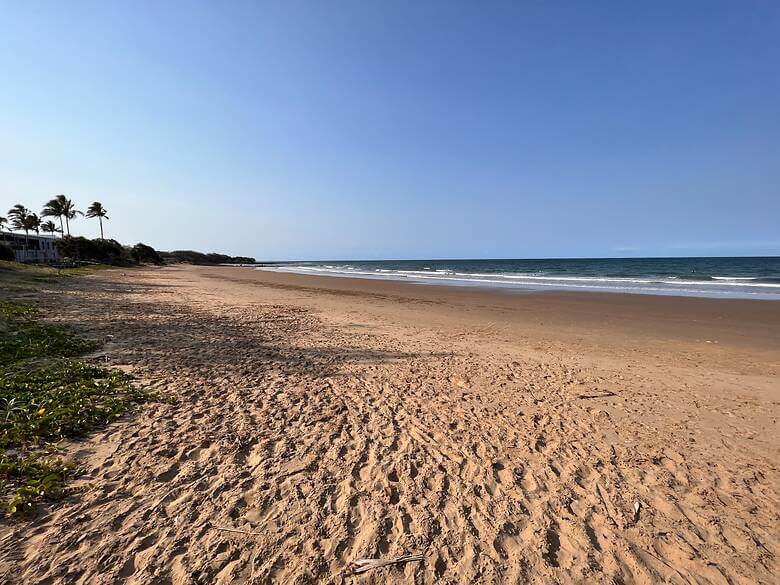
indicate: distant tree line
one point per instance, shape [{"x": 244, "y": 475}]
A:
[
  {"x": 112, "y": 252},
  {"x": 192, "y": 257},
  {"x": 106, "y": 251}
]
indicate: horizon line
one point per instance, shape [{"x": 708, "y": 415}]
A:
[{"x": 528, "y": 259}]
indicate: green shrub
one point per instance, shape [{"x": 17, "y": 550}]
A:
[
  {"x": 83, "y": 249},
  {"x": 193, "y": 257},
  {"x": 142, "y": 253}
]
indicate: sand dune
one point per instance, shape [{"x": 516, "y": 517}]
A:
[{"x": 315, "y": 427}]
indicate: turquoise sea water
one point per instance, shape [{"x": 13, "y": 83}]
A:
[{"x": 737, "y": 277}]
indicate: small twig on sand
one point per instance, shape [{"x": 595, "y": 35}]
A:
[
  {"x": 363, "y": 565},
  {"x": 604, "y": 395},
  {"x": 607, "y": 504}
]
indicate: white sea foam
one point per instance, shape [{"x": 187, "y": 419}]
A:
[{"x": 720, "y": 286}]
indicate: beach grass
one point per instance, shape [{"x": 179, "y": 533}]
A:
[{"x": 47, "y": 396}]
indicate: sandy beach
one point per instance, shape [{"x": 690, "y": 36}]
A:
[{"x": 506, "y": 437}]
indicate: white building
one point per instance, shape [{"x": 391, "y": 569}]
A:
[{"x": 33, "y": 248}]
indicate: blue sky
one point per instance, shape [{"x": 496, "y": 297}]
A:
[{"x": 336, "y": 130}]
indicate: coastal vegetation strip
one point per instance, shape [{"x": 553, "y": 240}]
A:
[
  {"x": 75, "y": 249},
  {"x": 45, "y": 396}
]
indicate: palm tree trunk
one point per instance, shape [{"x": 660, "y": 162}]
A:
[
  {"x": 62, "y": 228},
  {"x": 100, "y": 219},
  {"x": 67, "y": 225}
]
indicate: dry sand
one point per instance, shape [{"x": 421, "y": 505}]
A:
[{"x": 506, "y": 437}]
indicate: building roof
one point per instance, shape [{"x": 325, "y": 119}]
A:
[{"x": 21, "y": 235}]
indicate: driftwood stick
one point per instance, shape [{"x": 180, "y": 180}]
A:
[
  {"x": 604, "y": 395},
  {"x": 607, "y": 504},
  {"x": 363, "y": 565}
]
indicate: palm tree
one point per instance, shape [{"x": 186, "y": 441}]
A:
[
  {"x": 97, "y": 210},
  {"x": 20, "y": 215},
  {"x": 61, "y": 207},
  {"x": 3, "y": 221},
  {"x": 69, "y": 211},
  {"x": 54, "y": 208},
  {"x": 17, "y": 214},
  {"x": 33, "y": 222},
  {"x": 49, "y": 227}
]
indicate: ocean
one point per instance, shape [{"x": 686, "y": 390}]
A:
[{"x": 737, "y": 277}]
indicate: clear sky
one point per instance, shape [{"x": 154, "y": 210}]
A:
[{"x": 400, "y": 129}]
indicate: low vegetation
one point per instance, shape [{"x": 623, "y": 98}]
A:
[
  {"x": 46, "y": 396},
  {"x": 193, "y": 257},
  {"x": 113, "y": 253},
  {"x": 16, "y": 278},
  {"x": 22, "y": 337},
  {"x": 96, "y": 250},
  {"x": 144, "y": 254}
]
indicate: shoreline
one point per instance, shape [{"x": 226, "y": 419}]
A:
[
  {"x": 508, "y": 288},
  {"x": 744, "y": 322},
  {"x": 717, "y": 278}
]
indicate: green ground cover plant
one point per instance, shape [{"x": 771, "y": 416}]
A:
[
  {"x": 47, "y": 396},
  {"x": 23, "y": 337}
]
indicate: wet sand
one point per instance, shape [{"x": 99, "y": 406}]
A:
[
  {"x": 752, "y": 324},
  {"x": 506, "y": 437}
]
